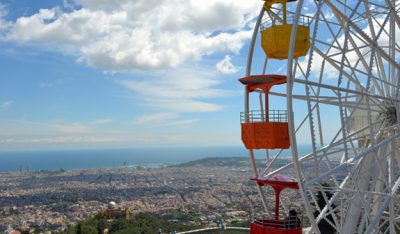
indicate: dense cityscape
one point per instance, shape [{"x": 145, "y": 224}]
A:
[{"x": 54, "y": 200}]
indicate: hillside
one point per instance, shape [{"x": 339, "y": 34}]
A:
[
  {"x": 217, "y": 162},
  {"x": 227, "y": 162},
  {"x": 141, "y": 223}
]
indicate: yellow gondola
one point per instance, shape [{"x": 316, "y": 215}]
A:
[{"x": 275, "y": 34}]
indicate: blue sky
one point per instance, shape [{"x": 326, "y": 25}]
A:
[
  {"x": 80, "y": 74},
  {"x": 110, "y": 74}
]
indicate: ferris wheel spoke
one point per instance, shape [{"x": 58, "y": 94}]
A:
[
  {"x": 354, "y": 13},
  {"x": 307, "y": 158},
  {"x": 331, "y": 146},
  {"x": 333, "y": 100},
  {"x": 350, "y": 91},
  {"x": 357, "y": 49},
  {"x": 375, "y": 4},
  {"x": 334, "y": 35},
  {"x": 383, "y": 206},
  {"x": 392, "y": 175},
  {"x": 332, "y": 46},
  {"x": 346, "y": 21},
  {"x": 321, "y": 136},
  {"x": 339, "y": 51},
  {"x": 396, "y": 155},
  {"x": 378, "y": 183},
  {"x": 349, "y": 104},
  {"x": 334, "y": 64},
  {"x": 259, "y": 188},
  {"x": 360, "y": 57},
  {"x": 353, "y": 72},
  {"x": 378, "y": 58},
  {"x": 329, "y": 207},
  {"x": 330, "y": 213},
  {"x": 330, "y": 203},
  {"x": 312, "y": 130},
  {"x": 381, "y": 25},
  {"x": 351, "y": 161},
  {"x": 374, "y": 78},
  {"x": 365, "y": 174},
  {"x": 338, "y": 33},
  {"x": 265, "y": 172},
  {"x": 359, "y": 179},
  {"x": 252, "y": 43},
  {"x": 351, "y": 77},
  {"x": 348, "y": 190},
  {"x": 394, "y": 11}
]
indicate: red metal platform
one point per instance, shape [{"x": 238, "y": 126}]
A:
[
  {"x": 277, "y": 181},
  {"x": 264, "y": 82},
  {"x": 267, "y": 226}
]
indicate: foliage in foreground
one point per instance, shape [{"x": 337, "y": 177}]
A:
[{"x": 141, "y": 223}]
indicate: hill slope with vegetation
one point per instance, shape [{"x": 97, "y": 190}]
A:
[{"x": 141, "y": 223}]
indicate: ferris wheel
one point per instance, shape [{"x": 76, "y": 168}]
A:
[{"x": 332, "y": 68}]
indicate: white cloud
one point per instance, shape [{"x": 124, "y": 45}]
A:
[
  {"x": 154, "y": 118},
  {"x": 159, "y": 37},
  {"x": 181, "y": 122},
  {"x": 225, "y": 66},
  {"x": 128, "y": 35},
  {"x": 6, "y": 105},
  {"x": 68, "y": 5},
  {"x": 70, "y": 128},
  {"x": 166, "y": 119},
  {"x": 185, "y": 106},
  {"x": 3, "y": 23},
  {"x": 60, "y": 139},
  {"x": 3, "y": 10},
  {"x": 179, "y": 90}
]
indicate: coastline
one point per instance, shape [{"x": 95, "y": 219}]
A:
[{"x": 23, "y": 161}]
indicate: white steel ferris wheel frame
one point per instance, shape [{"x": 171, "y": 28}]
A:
[{"x": 377, "y": 155}]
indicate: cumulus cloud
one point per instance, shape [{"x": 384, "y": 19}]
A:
[
  {"x": 225, "y": 66},
  {"x": 5, "y": 105},
  {"x": 159, "y": 37},
  {"x": 179, "y": 90},
  {"x": 128, "y": 35}
]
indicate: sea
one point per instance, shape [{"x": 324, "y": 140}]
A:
[{"x": 52, "y": 160}]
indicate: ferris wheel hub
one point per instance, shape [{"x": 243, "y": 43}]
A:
[{"x": 391, "y": 115}]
